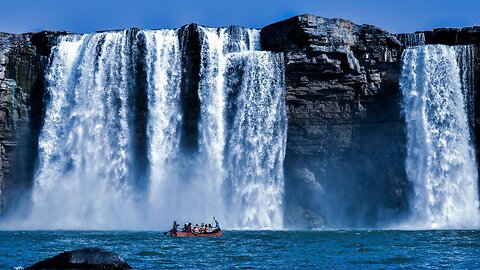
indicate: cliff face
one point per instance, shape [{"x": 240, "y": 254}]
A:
[
  {"x": 345, "y": 154},
  {"x": 345, "y": 135},
  {"x": 23, "y": 61},
  {"x": 20, "y": 68}
]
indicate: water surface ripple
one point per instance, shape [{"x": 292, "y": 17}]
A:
[{"x": 257, "y": 249}]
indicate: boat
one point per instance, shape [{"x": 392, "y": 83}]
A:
[{"x": 214, "y": 233}]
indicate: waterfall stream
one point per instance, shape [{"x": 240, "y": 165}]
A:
[
  {"x": 84, "y": 148},
  {"x": 441, "y": 161},
  {"x": 243, "y": 125},
  {"x": 89, "y": 172}
]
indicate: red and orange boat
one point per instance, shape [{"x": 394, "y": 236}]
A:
[{"x": 214, "y": 233}]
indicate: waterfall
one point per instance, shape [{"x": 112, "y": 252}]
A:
[
  {"x": 84, "y": 148},
  {"x": 256, "y": 138},
  {"x": 412, "y": 39},
  {"x": 243, "y": 125},
  {"x": 87, "y": 173},
  {"x": 91, "y": 172},
  {"x": 441, "y": 162},
  {"x": 466, "y": 62},
  {"x": 163, "y": 79},
  {"x": 217, "y": 44}
]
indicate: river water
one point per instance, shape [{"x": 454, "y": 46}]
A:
[{"x": 257, "y": 249}]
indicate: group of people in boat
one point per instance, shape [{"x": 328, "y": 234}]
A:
[{"x": 203, "y": 228}]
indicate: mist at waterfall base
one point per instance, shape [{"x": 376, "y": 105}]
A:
[{"x": 91, "y": 170}]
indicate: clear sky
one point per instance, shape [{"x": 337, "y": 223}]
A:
[{"x": 91, "y": 15}]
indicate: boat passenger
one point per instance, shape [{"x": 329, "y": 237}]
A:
[
  {"x": 209, "y": 227},
  {"x": 185, "y": 227},
  {"x": 175, "y": 226},
  {"x": 202, "y": 228},
  {"x": 196, "y": 229},
  {"x": 217, "y": 225}
]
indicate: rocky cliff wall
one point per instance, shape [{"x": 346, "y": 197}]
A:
[
  {"x": 23, "y": 61},
  {"x": 345, "y": 145},
  {"x": 17, "y": 77}
]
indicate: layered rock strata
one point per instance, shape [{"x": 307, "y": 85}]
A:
[{"x": 345, "y": 143}]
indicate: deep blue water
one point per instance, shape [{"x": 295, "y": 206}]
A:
[{"x": 258, "y": 249}]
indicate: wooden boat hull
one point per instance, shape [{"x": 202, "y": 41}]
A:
[{"x": 215, "y": 233}]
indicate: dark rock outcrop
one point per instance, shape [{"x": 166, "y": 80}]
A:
[
  {"x": 345, "y": 134},
  {"x": 23, "y": 60},
  {"x": 190, "y": 50},
  {"x": 453, "y": 36},
  {"x": 86, "y": 258}
]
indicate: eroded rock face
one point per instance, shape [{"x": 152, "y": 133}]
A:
[
  {"x": 345, "y": 127},
  {"x": 86, "y": 258},
  {"x": 23, "y": 61},
  {"x": 17, "y": 76}
]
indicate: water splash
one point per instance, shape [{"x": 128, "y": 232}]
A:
[{"x": 440, "y": 159}]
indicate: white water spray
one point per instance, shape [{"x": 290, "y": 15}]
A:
[
  {"x": 86, "y": 176},
  {"x": 440, "y": 159},
  {"x": 243, "y": 125},
  {"x": 256, "y": 139},
  {"x": 83, "y": 172}
]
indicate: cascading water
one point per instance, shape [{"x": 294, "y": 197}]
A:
[
  {"x": 412, "y": 39},
  {"x": 440, "y": 161},
  {"x": 243, "y": 125},
  {"x": 86, "y": 173},
  {"x": 163, "y": 79},
  {"x": 88, "y": 165},
  {"x": 256, "y": 138},
  {"x": 216, "y": 45},
  {"x": 84, "y": 148},
  {"x": 466, "y": 63}
]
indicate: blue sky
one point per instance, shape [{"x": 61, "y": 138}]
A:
[{"x": 91, "y": 15}]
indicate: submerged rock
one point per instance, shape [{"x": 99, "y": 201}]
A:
[{"x": 85, "y": 258}]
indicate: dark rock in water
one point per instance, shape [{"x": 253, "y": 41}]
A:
[{"x": 85, "y": 258}]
